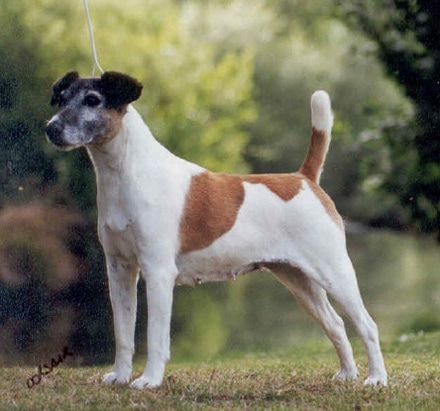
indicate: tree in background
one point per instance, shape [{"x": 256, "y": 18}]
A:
[
  {"x": 22, "y": 108},
  {"x": 407, "y": 35}
]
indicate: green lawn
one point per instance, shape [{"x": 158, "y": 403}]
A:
[{"x": 298, "y": 379}]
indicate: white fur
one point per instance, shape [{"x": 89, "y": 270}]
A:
[
  {"x": 322, "y": 117},
  {"x": 142, "y": 189}
]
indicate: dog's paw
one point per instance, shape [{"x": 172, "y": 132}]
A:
[
  {"x": 145, "y": 382},
  {"x": 116, "y": 378},
  {"x": 346, "y": 375},
  {"x": 375, "y": 381}
]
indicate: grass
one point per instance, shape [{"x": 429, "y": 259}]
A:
[{"x": 298, "y": 379}]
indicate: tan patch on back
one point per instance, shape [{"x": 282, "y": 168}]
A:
[
  {"x": 213, "y": 202},
  {"x": 285, "y": 186},
  {"x": 211, "y": 209}
]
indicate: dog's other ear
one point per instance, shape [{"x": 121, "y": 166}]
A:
[
  {"x": 119, "y": 89},
  {"x": 61, "y": 84}
]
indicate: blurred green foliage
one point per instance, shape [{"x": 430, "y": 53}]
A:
[
  {"x": 225, "y": 81},
  {"x": 407, "y": 36},
  {"x": 227, "y": 84}
]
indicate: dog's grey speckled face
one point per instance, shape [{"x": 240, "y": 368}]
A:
[{"x": 90, "y": 109}]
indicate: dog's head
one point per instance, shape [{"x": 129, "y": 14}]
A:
[{"x": 90, "y": 109}]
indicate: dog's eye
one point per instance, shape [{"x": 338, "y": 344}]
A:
[
  {"x": 62, "y": 102},
  {"x": 91, "y": 100}
]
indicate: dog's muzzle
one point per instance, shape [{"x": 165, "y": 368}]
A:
[{"x": 54, "y": 132}]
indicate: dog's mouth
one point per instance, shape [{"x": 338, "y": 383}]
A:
[
  {"x": 56, "y": 135},
  {"x": 60, "y": 145}
]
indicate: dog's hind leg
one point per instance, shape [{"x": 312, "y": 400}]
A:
[
  {"x": 123, "y": 279},
  {"x": 160, "y": 285},
  {"x": 313, "y": 298},
  {"x": 344, "y": 289}
]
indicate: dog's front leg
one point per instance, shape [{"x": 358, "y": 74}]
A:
[
  {"x": 123, "y": 279},
  {"x": 160, "y": 285}
]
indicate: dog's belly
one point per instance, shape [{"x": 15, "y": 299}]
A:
[
  {"x": 219, "y": 263},
  {"x": 201, "y": 273},
  {"x": 240, "y": 251}
]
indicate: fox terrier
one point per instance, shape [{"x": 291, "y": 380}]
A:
[{"x": 178, "y": 223}]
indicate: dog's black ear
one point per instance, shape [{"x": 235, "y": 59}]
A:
[
  {"x": 61, "y": 84},
  {"x": 119, "y": 89}
]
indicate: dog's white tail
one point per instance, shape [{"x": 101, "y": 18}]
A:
[{"x": 322, "y": 123}]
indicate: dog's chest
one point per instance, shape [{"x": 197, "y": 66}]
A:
[
  {"x": 116, "y": 219},
  {"x": 116, "y": 232},
  {"x": 114, "y": 209}
]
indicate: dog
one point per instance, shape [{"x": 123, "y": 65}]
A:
[{"x": 179, "y": 223}]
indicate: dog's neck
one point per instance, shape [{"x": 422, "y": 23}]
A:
[
  {"x": 133, "y": 144},
  {"x": 135, "y": 153}
]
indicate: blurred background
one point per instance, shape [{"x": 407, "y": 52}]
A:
[{"x": 227, "y": 84}]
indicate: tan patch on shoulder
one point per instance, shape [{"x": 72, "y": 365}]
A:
[
  {"x": 285, "y": 186},
  {"x": 211, "y": 208}
]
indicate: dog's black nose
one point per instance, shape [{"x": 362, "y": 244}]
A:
[{"x": 54, "y": 131}]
